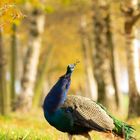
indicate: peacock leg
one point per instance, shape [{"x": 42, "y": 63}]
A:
[
  {"x": 69, "y": 136},
  {"x": 87, "y": 136}
]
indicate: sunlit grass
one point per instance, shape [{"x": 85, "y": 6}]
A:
[
  {"x": 33, "y": 126},
  {"x": 136, "y": 124}
]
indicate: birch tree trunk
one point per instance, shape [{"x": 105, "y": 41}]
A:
[
  {"x": 4, "y": 95},
  {"x": 130, "y": 10},
  {"x": 102, "y": 55},
  {"x": 90, "y": 82},
  {"x": 37, "y": 20}
]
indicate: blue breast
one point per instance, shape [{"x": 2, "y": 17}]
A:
[{"x": 60, "y": 120}]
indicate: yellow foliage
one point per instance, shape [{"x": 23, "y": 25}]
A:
[{"x": 9, "y": 14}]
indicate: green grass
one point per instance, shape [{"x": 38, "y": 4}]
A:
[{"x": 33, "y": 126}]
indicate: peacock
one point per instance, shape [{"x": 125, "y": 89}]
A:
[{"x": 79, "y": 115}]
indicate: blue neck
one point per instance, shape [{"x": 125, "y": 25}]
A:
[{"x": 57, "y": 94}]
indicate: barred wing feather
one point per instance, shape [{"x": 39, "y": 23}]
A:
[{"x": 88, "y": 113}]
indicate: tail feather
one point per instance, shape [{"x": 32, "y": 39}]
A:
[{"x": 121, "y": 129}]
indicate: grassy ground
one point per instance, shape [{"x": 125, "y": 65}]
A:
[{"x": 34, "y": 127}]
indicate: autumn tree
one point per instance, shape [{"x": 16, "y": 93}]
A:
[
  {"x": 36, "y": 27},
  {"x": 4, "y": 94},
  {"x": 103, "y": 56},
  {"x": 90, "y": 81},
  {"x": 13, "y": 65},
  {"x": 113, "y": 65},
  {"x": 9, "y": 15},
  {"x": 131, "y": 14}
]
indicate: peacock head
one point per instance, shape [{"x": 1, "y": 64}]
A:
[{"x": 71, "y": 67}]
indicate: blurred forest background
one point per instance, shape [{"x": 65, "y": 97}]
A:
[{"x": 39, "y": 38}]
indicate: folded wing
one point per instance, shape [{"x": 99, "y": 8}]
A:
[{"x": 87, "y": 113}]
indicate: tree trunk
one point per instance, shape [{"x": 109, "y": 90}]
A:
[
  {"x": 31, "y": 60},
  {"x": 41, "y": 79},
  {"x": 13, "y": 65},
  {"x": 113, "y": 62},
  {"x": 134, "y": 96},
  {"x": 4, "y": 95},
  {"x": 90, "y": 82},
  {"x": 102, "y": 55},
  {"x": 131, "y": 17}
]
